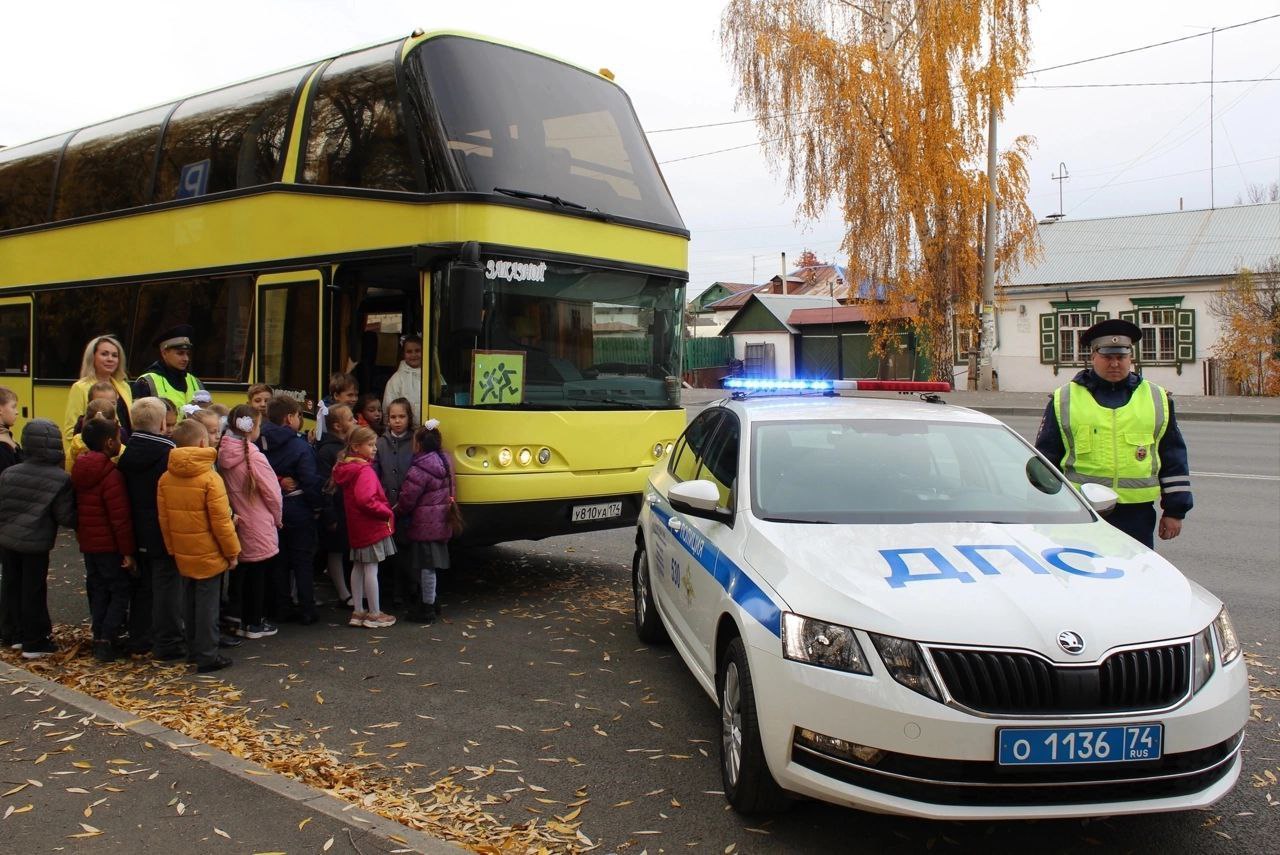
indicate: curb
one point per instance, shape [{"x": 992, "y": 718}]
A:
[{"x": 377, "y": 827}]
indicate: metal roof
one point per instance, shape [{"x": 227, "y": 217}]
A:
[
  {"x": 1178, "y": 244},
  {"x": 781, "y": 305}
]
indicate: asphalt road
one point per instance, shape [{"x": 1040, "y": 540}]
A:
[{"x": 535, "y": 689}]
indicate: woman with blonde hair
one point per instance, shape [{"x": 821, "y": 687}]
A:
[{"x": 103, "y": 362}]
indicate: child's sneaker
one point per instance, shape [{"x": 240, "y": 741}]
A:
[
  {"x": 39, "y": 649},
  {"x": 106, "y": 651},
  {"x": 378, "y": 620},
  {"x": 421, "y": 613},
  {"x": 357, "y": 619}
]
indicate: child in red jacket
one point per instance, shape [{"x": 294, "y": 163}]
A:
[
  {"x": 370, "y": 525},
  {"x": 105, "y": 532}
]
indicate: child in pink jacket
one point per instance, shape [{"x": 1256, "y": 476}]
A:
[
  {"x": 370, "y": 525},
  {"x": 255, "y": 498}
]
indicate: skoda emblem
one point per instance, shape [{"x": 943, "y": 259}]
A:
[{"x": 1071, "y": 642}]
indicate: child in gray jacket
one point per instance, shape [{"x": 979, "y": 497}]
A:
[{"x": 35, "y": 498}]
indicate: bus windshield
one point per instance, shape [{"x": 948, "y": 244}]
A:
[
  {"x": 561, "y": 336},
  {"x": 536, "y": 128}
]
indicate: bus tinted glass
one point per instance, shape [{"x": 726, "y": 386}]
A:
[
  {"x": 26, "y": 182},
  {"x": 108, "y": 167},
  {"x": 522, "y": 122},
  {"x": 66, "y": 319},
  {"x": 15, "y": 341},
  {"x": 562, "y": 337},
  {"x": 356, "y": 135},
  {"x": 219, "y": 307},
  {"x": 227, "y": 139}
]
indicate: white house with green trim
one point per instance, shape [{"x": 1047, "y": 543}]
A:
[{"x": 1157, "y": 270}]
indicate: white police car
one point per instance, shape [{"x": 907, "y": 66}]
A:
[{"x": 900, "y": 606}]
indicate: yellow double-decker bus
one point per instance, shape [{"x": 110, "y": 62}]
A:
[{"x": 502, "y": 204}]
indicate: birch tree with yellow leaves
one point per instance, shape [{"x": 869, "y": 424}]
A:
[{"x": 880, "y": 107}]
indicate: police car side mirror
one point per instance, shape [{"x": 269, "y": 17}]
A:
[
  {"x": 699, "y": 499},
  {"x": 1100, "y": 497}
]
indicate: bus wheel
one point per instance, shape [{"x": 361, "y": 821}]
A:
[
  {"x": 748, "y": 784},
  {"x": 648, "y": 624}
]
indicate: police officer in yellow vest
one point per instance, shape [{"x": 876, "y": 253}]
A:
[
  {"x": 1110, "y": 426},
  {"x": 168, "y": 377}
]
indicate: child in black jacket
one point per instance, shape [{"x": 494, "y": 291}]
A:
[
  {"x": 155, "y": 607},
  {"x": 35, "y": 498}
]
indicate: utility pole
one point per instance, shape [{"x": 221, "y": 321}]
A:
[
  {"x": 1060, "y": 177},
  {"x": 987, "y": 328},
  {"x": 1212, "y": 37}
]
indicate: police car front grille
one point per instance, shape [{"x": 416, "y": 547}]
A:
[{"x": 1008, "y": 683}]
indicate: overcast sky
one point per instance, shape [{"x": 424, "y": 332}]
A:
[{"x": 67, "y": 63}]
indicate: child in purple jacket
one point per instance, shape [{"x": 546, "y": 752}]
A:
[{"x": 424, "y": 501}]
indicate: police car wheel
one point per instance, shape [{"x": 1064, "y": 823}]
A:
[
  {"x": 748, "y": 784},
  {"x": 648, "y": 624}
]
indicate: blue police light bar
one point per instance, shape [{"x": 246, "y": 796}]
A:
[
  {"x": 767, "y": 384},
  {"x": 772, "y": 384}
]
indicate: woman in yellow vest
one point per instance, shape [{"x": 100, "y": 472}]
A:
[
  {"x": 103, "y": 361},
  {"x": 1110, "y": 426},
  {"x": 168, "y": 377}
]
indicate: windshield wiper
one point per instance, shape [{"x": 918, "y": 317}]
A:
[
  {"x": 790, "y": 520},
  {"x": 527, "y": 194}
]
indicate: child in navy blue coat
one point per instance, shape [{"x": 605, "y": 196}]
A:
[{"x": 294, "y": 462}]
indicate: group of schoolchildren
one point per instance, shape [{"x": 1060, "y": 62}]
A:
[{"x": 199, "y": 528}]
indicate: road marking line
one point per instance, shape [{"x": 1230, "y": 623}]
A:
[{"x": 1234, "y": 475}]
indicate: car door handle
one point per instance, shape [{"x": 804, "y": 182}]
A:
[{"x": 674, "y": 524}]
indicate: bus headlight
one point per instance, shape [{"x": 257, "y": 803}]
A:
[
  {"x": 657, "y": 449},
  {"x": 524, "y": 457},
  {"x": 669, "y": 447},
  {"x": 504, "y": 457},
  {"x": 544, "y": 455},
  {"x": 1228, "y": 641}
]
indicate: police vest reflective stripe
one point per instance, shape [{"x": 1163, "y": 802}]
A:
[
  {"x": 1118, "y": 448},
  {"x": 164, "y": 390}
]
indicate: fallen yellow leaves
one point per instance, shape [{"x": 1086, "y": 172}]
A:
[{"x": 206, "y": 710}]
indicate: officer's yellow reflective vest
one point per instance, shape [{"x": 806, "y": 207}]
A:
[
  {"x": 1118, "y": 448},
  {"x": 165, "y": 390}
]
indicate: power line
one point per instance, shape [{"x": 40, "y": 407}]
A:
[
  {"x": 1157, "y": 83},
  {"x": 1029, "y": 73},
  {"x": 1150, "y": 46},
  {"x": 718, "y": 151}
]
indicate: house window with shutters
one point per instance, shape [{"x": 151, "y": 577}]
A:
[
  {"x": 1060, "y": 331},
  {"x": 1168, "y": 331}
]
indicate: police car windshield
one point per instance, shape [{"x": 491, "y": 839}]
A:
[{"x": 900, "y": 471}]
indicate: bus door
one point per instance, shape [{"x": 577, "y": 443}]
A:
[
  {"x": 15, "y": 356},
  {"x": 289, "y": 331},
  {"x": 373, "y": 306}
]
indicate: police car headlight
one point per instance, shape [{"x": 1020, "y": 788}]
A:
[
  {"x": 1201, "y": 660},
  {"x": 1225, "y": 631},
  {"x": 905, "y": 661},
  {"x": 826, "y": 645}
]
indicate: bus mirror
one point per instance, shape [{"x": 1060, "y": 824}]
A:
[{"x": 466, "y": 296}]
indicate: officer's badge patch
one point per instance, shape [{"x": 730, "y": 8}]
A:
[{"x": 1141, "y": 453}]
